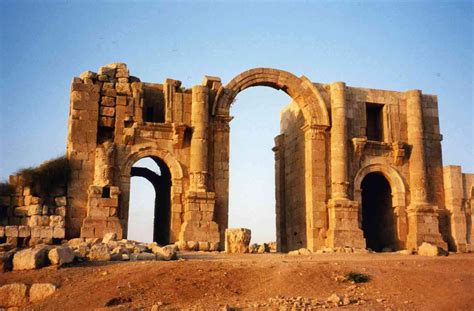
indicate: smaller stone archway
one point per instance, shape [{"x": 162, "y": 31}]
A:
[
  {"x": 398, "y": 194},
  {"x": 176, "y": 189}
]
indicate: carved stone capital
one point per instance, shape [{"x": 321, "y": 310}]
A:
[
  {"x": 398, "y": 153},
  {"x": 312, "y": 131},
  {"x": 359, "y": 145},
  {"x": 178, "y": 134},
  {"x": 222, "y": 123},
  {"x": 198, "y": 181}
]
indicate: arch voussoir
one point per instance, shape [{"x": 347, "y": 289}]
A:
[{"x": 303, "y": 93}]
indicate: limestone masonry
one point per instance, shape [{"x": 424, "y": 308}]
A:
[{"x": 354, "y": 167}]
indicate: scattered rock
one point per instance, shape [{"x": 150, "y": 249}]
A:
[
  {"x": 142, "y": 256},
  {"x": 40, "y": 291},
  {"x": 301, "y": 251},
  {"x": 13, "y": 295},
  {"x": 99, "y": 252},
  {"x": 61, "y": 255},
  {"x": 335, "y": 299},
  {"x": 192, "y": 245},
  {"x": 405, "y": 252},
  {"x": 30, "y": 258},
  {"x": 182, "y": 245},
  {"x": 6, "y": 260},
  {"x": 165, "y": 253},
  {"x": 204, "y": 246},
  {"x": 428, "y": 249},
  {"x": 112, "y": 236}
]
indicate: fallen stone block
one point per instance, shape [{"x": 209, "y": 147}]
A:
[
  {"x": 40, "y": 291},
  {"x": 237, "y": 240},
  {"x": 6, "y": 260},
  {"x": 13, "y": 295},
  {"x": 31, "y": 258},
  {"x": 61, "y": 255},
  {"x": 142, "y": 256},
  {"x": 428, "y": 249},
  {"x": 168, "y": 252},
  {"x": 99, "y": 252},
  {"x": 111, "y": 236}
]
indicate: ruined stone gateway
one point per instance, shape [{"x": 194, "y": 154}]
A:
[{"x": 354, "y": 167}]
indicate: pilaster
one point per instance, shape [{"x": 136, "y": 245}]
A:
[
  {"x": 343, "y": 213},
  {"x": 423, "y": 224}
]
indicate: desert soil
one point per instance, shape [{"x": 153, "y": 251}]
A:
[{"x": 251, "y": 281}]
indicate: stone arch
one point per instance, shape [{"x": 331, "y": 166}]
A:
[
  {"x": 301, "y": 90},
  {"x": 176, "y": 171},
  {"x": 315, "y": 131},
  {"x": 398, "y": 187},
  {"x": 173, "y": 164}
]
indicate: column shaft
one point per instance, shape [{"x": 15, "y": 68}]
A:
[
  {"x": 199, "y": 148},
  {"x": 415, "y": 132},
  {"x": 339, "y": 140}
]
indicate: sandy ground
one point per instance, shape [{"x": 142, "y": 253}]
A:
[{"x": 251, "y": 281}]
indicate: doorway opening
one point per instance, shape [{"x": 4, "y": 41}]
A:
[
  {"x": 150, "y": 201},
  {"x": 378, "y": 219},
  {"x": 252, "y": 202}
]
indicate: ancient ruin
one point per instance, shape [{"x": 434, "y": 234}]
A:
[{"x": 354, "y": 167}]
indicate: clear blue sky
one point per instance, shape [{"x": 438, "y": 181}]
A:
[{"x": 388, "y": 45}]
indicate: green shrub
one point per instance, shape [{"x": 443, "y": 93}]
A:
[
  {"x": 357, "y": 277},
  {"x": 46, "y": 177}
]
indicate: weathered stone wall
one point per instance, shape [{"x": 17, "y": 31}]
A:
[
  {"x": 459, "y": 196},
  {"x": 408, "y": 155},
  {"x": 292, "y": 205},
  {"x": 325, "y": 150},
  {"x": 27, "y": 219}
]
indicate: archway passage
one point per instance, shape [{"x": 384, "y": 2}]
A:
[
  {"x": 161, "y": 181},
  {"x": 378, "y": 221}
]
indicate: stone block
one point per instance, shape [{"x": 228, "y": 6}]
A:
[
  {"x": 106, "y": 121},
  {"x": 35, "y": 209},
  {"x": 24, "y": 231},
  {"x": 56, "y": 221},
  {"x": 59, "y": 233},
  {"x": 11, "y": 231},
  {"x": 109, "y": 92},
  {"x": 31, "y": 258},
  {"x": 60, "y": 201},
  {"x": 108, "y": 101},
  {"x": 99, "y": 252},
  {"x": 13, "y": 295},
  {"x": 121, "y": 100},
  {"x": 20, "y": 211},
  {"x": 40, "y": 291},
  {"x": 46, "y": 232},
  {"x": 61, "y": 255},
  {"x": 123, "y": 89},
  {"x": 237, "y": 240},
  {"x": 2, "y": 231},
  {"x": 61, "y": 211}
]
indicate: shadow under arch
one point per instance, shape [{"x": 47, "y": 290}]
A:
[
  {"x": 398, "y": 196},
  {"x": 162, "y": 206},
  {"x": 173, "y": 173}
]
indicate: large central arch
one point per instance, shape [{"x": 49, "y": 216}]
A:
[
  {"x": 316, "y": 124},
  {"x": 301, "y": 90}
]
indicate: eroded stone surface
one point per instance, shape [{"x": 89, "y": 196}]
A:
[{"x": 237, "y": 240}]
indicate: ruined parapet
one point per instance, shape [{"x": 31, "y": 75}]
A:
[
  {"x": 459, "y": 196},
  {"x": 33, "y": 205}
]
